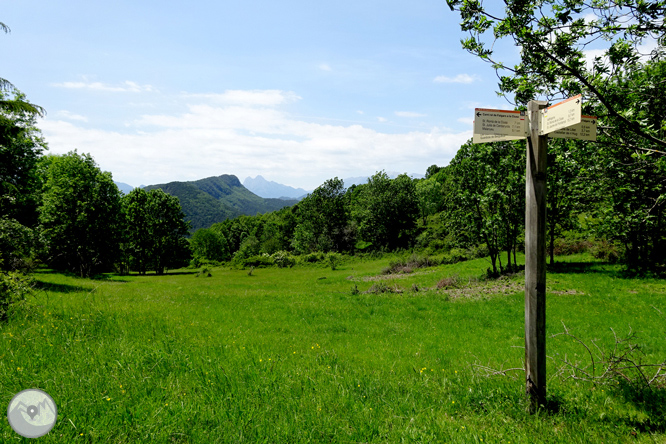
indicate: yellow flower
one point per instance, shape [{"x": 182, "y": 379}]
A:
[{"x": 108, "y": 399}]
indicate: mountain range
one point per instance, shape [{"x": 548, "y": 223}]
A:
[
  {"x": 269, "y": 189},
  {"x": 264, "y": 188},
  {"x": 214, "y": 199}
]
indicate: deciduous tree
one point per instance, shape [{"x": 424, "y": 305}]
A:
[{"x": 79, "y": 215}]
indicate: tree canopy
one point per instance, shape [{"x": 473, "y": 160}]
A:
[
  {"x": 554, "y": 35},
  {"x": 80, "y": 214}
]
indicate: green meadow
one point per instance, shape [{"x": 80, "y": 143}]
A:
[{"x": 311, "y": 354}]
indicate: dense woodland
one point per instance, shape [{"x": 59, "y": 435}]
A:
[{"x": 64, "y": 212}]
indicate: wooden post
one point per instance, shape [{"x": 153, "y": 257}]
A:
[{"x": 535, "y": 260}]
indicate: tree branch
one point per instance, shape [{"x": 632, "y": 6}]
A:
[{"x": 633, "y": 125}]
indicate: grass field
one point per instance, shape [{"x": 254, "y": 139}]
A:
[{"x": 298, "y": 355}]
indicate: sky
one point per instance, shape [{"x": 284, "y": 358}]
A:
[{"x": 296, "y": 91}]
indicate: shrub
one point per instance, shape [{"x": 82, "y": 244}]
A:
[
  {"x": 313, "y": 258},
  {"x": 14, "y": 287},
  {"x": 448, "y": 282},
  {"x": 605, "y": 250},
  {"x": 258, "y": 261},
  {"x": 408, "y": 265},
  {"x": 567, "y": 246},
  {"x": 18, "y": 246},
  {"x": 456, "y": 255},
  {"x": 333, "y": 260},
  {"x": 382, "y": 287},
  {"x": 283, "y": 259}
]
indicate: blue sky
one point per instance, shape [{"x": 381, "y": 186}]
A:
[{"x": 297, "y": 91}]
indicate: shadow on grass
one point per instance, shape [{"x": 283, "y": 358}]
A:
[
  {"x": 169, "y": 273},
  {"x": 615, "y": 270},
  {"x": 651, "y": 402},
  {"x": 589, "y": 267},
  {"x": 60, "y": 288}
]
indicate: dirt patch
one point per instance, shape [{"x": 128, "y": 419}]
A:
[
  {"x": 387, "y": 277},
  {"x": 479, "y": 290},
  {"x": 570, "y": 292}
]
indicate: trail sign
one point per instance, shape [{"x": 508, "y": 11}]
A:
[
  {"x": 495, "y": 125},
  {"x": 561, "y": 115},
  {"x": 562, "y": 120},
  {"x": 585, "y": 130}
]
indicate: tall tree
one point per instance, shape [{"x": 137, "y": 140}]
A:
[
  {"x": 430, "y": 196},
  {"x": 624, "y": 85},
  {"x": 209, "y": 245},
  {"x": 79, "y": 215},
  {"x": 322, "y": 219},
  {"x": 21, "y": 145},
  {"x": 385, "y": 211},
  {"x": 485, "y": 197},
  {"x": 168, "y": 229},
  {"x": 138, "y": 237}
]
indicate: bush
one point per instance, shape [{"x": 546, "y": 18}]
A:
[
  {"x": 410, "y": 264},
  {"x": 382, "y": 287},
  {"x": 14, "y": 287},
  {"x": 258, "y": 261},
  {"x": 605, "y": 250},
  {"x": 448, "y": 282},
  {"x": 567, "y": 246},
  {"x": 283, "y": 259},
  {"x": 456, "y": 255},
  {"x": 18, "y": 246},
  {"x": 312, "y": 258},
  {"x": 333, "y": 260}
]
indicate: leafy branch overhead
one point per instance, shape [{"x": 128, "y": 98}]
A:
[
  {"x": 556, "y": 38},
  {"x": 18, "y": 105}
]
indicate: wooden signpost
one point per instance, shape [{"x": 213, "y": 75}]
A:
[{"x": 562, "y": 120}]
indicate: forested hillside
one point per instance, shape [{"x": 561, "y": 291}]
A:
[{"x": 214, "y": 199}]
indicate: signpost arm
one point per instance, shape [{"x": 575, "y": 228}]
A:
[{"x": 535, "y": 259}]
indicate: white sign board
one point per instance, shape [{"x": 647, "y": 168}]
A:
[
  {"x": 561, "y": 115},
  {"x": 495, "y": 125},
  {"x": 585, "y": 130}
]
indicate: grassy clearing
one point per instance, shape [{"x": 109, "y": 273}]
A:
[{"x": 296, "y": 355}]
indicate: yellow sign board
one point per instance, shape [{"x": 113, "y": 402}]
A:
[
  {"x": 561, "y": 115},
  {"x": 495, "y": 125}
]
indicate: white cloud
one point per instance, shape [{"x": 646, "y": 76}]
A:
[
  {"x": 408, "y": 114},
  {"x": 466, "y": 120},
  {"x": 460, "y": 78},
  {"x": 266, "y": 97},
  {"x": 325, "y": 67},
  {"x": 381, "y": 119},
  {"x": 214, "y": 139},
  {"x": 70, "y": 116},
  {"x": 127, "y": 86}
]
